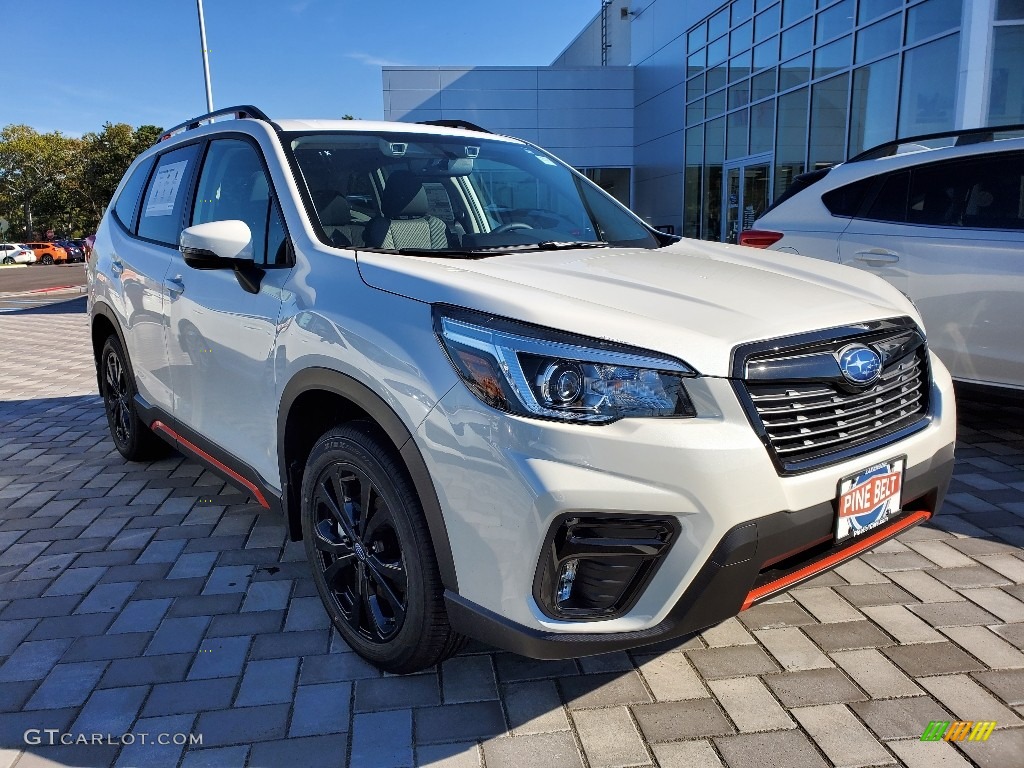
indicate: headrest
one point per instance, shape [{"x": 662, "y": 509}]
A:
[
  {"x": 333, "y": 208},
  {"x": 404, "y": 197}
]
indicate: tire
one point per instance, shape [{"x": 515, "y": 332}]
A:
[
  {"x": 8, "y": 260},
  {"x": 133, "y": 439},
  {"x": 376, "y": 573},
  {"x": 47, "y": 260}
]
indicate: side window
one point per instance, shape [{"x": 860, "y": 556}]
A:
[
  {"x": 164, "y": 199},
  {"x": 846, "y": 201},
  {"x": 995, "y": 199},
  {"x": 127, "y": 204},
  {"x": 233, "y": 185},
  {"x": 890, "y": 203}
]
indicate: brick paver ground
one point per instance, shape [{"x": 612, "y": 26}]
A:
[{"x": 156, "y": 599}]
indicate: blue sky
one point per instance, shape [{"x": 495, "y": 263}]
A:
[{"x": 71, "y": 65}]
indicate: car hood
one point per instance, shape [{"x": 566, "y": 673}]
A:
[{"x": 693, "y": 300}]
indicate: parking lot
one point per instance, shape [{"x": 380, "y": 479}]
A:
[{"x": 157, "y": 599}]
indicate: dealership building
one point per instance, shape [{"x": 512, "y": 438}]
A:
[{"x": 698, "y": 113}]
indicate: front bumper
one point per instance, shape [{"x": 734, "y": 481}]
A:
[
  {"x": 751, "y": 563},
  {"x": 503, "y": 481}
]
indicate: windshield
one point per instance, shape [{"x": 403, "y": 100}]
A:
[{"x": 453, "y": 195}]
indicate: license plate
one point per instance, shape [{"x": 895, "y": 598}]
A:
[{"x": 869, "y": 498}]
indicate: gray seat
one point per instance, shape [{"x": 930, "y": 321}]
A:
[
  {"x": 405, "y": 220},
  {"x": 336, "y": 219}
]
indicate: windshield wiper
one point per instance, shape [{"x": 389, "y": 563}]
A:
[
  {"x": 546, "y": 245},
  {"x": 458, "y": 253}
]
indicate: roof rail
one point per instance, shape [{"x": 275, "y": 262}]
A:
[
  {"x": 963, "y": 138},
  {"x": 463, "y": 124},
  {"x": 239, "y": 112}
]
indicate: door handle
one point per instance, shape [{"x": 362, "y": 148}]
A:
[
  {"x": 877, "y": 257},
  {"x": 174, "y": 285},
  {"x": 116, "y": 265}
]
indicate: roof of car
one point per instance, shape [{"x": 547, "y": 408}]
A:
[{"x": 378, "y": 126}]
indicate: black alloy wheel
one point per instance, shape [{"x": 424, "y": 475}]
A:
[
  {"x": 8, "y": 260},
  {"x": 359, "y": 552},
  {"x": 133, "y": 439},
  {"x": 370, "y": 552},
  {"x": 47, "y": 260}
]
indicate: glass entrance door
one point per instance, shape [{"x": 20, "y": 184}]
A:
[{"x": 745, "y": 196}]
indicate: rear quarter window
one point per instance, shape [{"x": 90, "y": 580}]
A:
[
  {"x": 847, "y": 200},
  {"x": 127, "y": 203}
]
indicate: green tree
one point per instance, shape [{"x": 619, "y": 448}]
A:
[
  {"x": 32, "y": 163},
  {"x": 105, "y": 157}
]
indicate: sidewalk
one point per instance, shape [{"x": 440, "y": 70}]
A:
[{"x": 157, "y": 599}]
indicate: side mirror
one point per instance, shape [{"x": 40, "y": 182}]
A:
[
  {"x": 222, "y": 245},
  {"x": 216, "y": 244}
]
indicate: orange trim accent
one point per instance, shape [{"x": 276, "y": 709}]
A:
[
  {"x": 849, "y": 553},
  {"x": 160, "y": 426}
]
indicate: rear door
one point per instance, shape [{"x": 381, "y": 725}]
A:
[
  {"x": 221, "y": 338},
  {"x": 141, "y": 250},
  {"x": 874, "y": 240}
]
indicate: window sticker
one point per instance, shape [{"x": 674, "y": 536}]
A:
[
  {"x": 164, "y": 191},
  {"x": 438, "y": 202}
]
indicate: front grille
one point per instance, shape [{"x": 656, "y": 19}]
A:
[{"x": 810, "y": 420}]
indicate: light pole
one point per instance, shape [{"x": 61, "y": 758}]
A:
[{"x": 206, "y": 57}]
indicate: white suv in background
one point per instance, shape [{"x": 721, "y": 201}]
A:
[
  {"x": 491, "y": 400},
  {"x": 16, "y": 253},
  {"x": 939, "y": 217}
]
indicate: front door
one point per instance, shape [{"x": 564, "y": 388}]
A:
[
  {"x": 745, "y": 196},
  {"x": 221, "y": 337}
]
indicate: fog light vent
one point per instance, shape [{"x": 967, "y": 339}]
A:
[
  {"x": 565, "y": 580},
  {"x": 595, "y": 567}
]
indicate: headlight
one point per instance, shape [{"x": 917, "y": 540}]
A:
[{"x": 549, "y": 374}]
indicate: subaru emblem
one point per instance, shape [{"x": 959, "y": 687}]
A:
[{"x": 860, "y": 364}]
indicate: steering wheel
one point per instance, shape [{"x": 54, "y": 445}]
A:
[{"x": 511, "y": 226}]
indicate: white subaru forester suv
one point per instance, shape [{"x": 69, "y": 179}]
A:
[{"x": 493, "y": 402}]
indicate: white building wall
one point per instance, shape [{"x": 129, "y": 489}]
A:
[
  {"x": 585, "y": 49},
  {"x": 582, "y": 114}
]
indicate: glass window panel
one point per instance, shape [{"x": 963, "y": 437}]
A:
[
  {"x": 927, "y": 102},
  {"x": 695, "y": 87},
  {"x": 739, "y": 67},
  {"x": 833, "y": 57},
  {"x": 760, "y": 5},
  {"x": 741, "y": 10},
  {"x": 1009, "y": 9},
  {"x": 695, "y": 63},
  {"x": 718, "y": 24},
  {"x": 932, "y": 17},
  {"x": 695, "y": 112},
  {"x": 766, "y": 54},
  {"x": 878, "y": 39},
  {"x": 837, "y": 20},
  {"x": 739, "y": 94},
  {"x": 828, "y": 122},
  {"x": 762, "y": 85},
  {"x": 737, "y": 134},
  {"x": 716, "y": 78},
  {"x": 762, "y": 127},
  {"x": 718, "y": 51},
  {"x": 692, "y": 181},
  {"x": 767, "y": 24},
  {"x": 795, "y": 9},
  {"x": 798, "y": 39},
  {"x": 890, "y": 204},
  {"x": 697, "y": 37},
  {"x": 715, "y": 104},
  {"x": 790, "y": 139},
  {"x": 873, "y": 105},
  {"x": 714, "y": 156},
  {"x": 872, "y": 9},
  {"x": 741, "y": 38},
  {"x": 160, "y": 219},
  {"x": 1006, "y": 94},
  {"x": 795, "y": 72}
]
